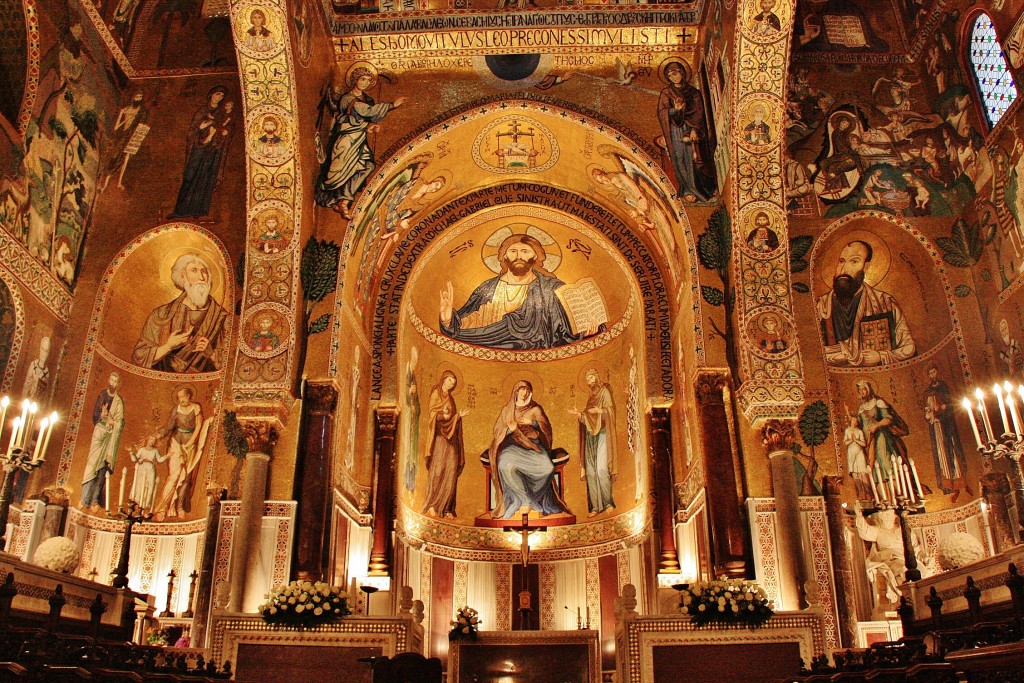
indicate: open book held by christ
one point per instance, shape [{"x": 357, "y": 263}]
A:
[{"x": 583, "y": 304}]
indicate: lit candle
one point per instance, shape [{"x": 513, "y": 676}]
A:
[
  {"x": 877, "y": 473},
  {"x": 120, "y": 494},
  {"x": 588, "y": 616},
  {"x": 984, "y": 414},
  {"x": 998, "y": 391},
  {"x": 46, "y": 441},
  {"x": 106, "y": 492},
  {"x": 905, "y": 473},
  {"x": 1014, "y": 414},
  {"x": 4, "y": 402},
  {"x": 16, "y": 425},
  {"x": 974, "y": 422},
  {"x": 874, "y": 491},
  {"x": 917, "y": 479},
  {"x": 44, "y": 427},
  {"x": 894, "y": 464},
  {"x": 892, "y": 487}
]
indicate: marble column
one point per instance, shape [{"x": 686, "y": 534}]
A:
[
  {"x": 385, "y": 422},
  {"x": 261, "y": 436},
  {"x": 842, "y": 567},
  {"x": 778, "y": 438},
  {"x": 730, "y": 536},
  {"x": 661, "y": 459},
  {"x": 204, "y": 587},
  {"x": 312, "y": 483}
]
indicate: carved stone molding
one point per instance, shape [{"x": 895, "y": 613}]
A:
[
  {"x": 321, "y": 397},
  {"x": 261, "y": 435},
  {"x": 778, "y": 435},
  {"x": 709, "y": 386}
]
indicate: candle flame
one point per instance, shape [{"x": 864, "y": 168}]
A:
[
  {"x": 979, "y": 394},
  {"x": 4, "y": 402},
  {"x": 1007, "y": 387},
  {"x": 967, "y": 403},
  {"x": 33, "y": 407},
  {"x": 997, "y": 390}
]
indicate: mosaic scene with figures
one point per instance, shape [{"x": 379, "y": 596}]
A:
[{"x": 511, "y": 340}]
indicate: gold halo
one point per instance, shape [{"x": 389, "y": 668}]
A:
[
  {"x": 355, "y": 65},
  {"x": 875, "y": 271},
  {"x": 489, "y": 250},
  {"x": 530, "y": 376},
  {"x": 214, "y": 262},
  {"x": 602, "y": 374},
  {"x": 687, "y": 70},
  {"x": 438, "y": 369}
]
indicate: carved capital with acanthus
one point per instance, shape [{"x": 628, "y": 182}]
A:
[
  {"x": 387, "y": 419},
  {"x": 831, "y": 485},
  {"x": 710, "y": 386},
  {"x": 261, "y": 435},
  {"x": 778, "y": 435},
  {"x": 321, "y": 397}
]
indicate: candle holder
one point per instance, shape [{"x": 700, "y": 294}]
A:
[
  {"x": 1009, "y": 445},
  {"x": 22, "y": 453},
  {"x": 132, "y": 514},
  {"x": 369, "y": 590},
  {"x": 904, "y": 508}
]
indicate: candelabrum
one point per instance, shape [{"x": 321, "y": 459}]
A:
[
  {"x": 1006, "y": 443},
  {"x": 132, "y": 514},
  {"x": 24, "y": 453}
]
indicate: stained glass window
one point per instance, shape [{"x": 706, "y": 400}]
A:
[{"x": 995, "y": 82}]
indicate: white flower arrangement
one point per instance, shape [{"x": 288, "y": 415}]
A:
[
  {"x": 465, "y": 625},
  {"x": 304, "y": 603},
  {"x": 58, "y": 553},
  {"x": 726, "y": 600}
]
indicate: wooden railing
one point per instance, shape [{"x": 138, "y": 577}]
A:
[{"x": 55, "y": 652}]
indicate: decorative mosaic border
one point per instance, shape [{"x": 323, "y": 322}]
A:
[
  {"x": 643, "y": 634},
  {"x": 80, "y": 518},
  {"x": 403, "y": 150},
  {"x": 461, "y": 542},
  {"x": 229, "y": 631},
  {"x": 268, "y": 82},
  {"x": 92, "y": 339},
  {"x": 34, "y": 53},
  {"x": 767, "y": 557},
  {"x": 36, "y": 278},
  {"x": 770, "y": 388},
  {"x": 19, "y": 329}
]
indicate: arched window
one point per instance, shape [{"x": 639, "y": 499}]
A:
[{"x": 991, "y": 73}]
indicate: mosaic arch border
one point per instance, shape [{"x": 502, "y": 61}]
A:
[
  {"x": 93, "y": 346},
  {"x": 768, "y": 388},
  {"x": 264, "y": 386},
  {"x": 656, "y": 306},
  {"x": 441, "y": 125},
  {"x": 19, "y": 328},
  {"x": 34, "y": 54}
]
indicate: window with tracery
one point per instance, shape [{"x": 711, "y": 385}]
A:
[{"x": 991, "y": 72}]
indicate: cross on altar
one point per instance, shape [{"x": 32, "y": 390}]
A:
[{"x": 524, "y": 550}]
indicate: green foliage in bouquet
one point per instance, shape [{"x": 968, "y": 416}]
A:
[
  {"x": 158, "y": 636},
  {"x": 304, "y": 603},
  {"x": 726, "y": 601},
  {"x": 465, "y": 625}
]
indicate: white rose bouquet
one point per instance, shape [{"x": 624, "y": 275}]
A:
[
  {"x": 725, "y": 600},
  {"x": 304, "y": 603},
  {"x": 465, "y": 625}
]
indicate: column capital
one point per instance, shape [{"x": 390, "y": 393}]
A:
[
  {"x": 321, "y": 397},
  {"x": 710, "y": 384},
  {"x": 778, "y": 435},
  {"x": 261, "y": 435},
  {"x": 387, "y": 418}
]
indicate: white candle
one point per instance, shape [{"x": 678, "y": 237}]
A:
[
  {"x": 874, "y": 491},
  {"x": 998, "y": 391},
  {"x": 106, "y": 491},
  {"x": 49, "y": 433},
  {"x": 898, "y": 476},
  {"x": 974, "y": 422},
  {"x": 16, "y": 424},
  {"x": 917, "y": 479},
  {"x": 892, "y": 487},
  {"x": 44, "y": 426},
  {"x": 877, "y": 474},
  {"x": 984, "y": 413},
  {"x": 4, "y": 402},
  {"x": 905, "y": 474},
  {"x": 120, "y": 494}
]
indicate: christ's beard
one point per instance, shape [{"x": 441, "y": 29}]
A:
[
  {"x": 519, "y": 267},
  {"x": 198, "y": 293},
  {"x": 846, "y": 287}
]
